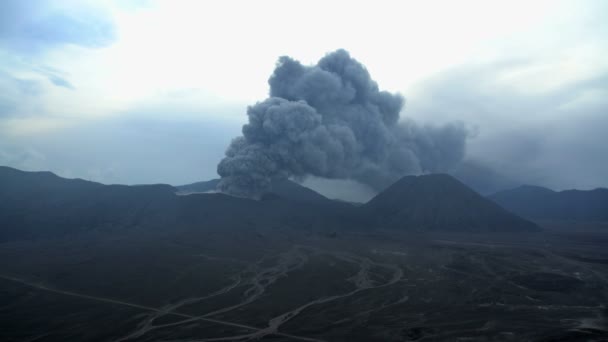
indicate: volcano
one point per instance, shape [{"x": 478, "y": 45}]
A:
[{"x": 439, "y": 202}]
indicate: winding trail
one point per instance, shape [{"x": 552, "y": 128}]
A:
[
  {"x": 361, "y": 280},
  {"x": 147, "y": 308},
  {"x": 261, "y": 278},
  {"x": 257, "y": 278},
  {"x": 147, "y": 325}
]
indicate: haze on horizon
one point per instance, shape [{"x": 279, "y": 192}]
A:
[{"x": 154, "y": 91}]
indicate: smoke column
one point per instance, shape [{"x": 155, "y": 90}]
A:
[{"x": 331, "y": 120}]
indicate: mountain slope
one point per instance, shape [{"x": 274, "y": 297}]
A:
[
  {"x": 291, "y": 190},
  {"x": 41, "y": 204},
  {"x": 280, "y": 187},
  {"x": 541, "y": 203},
  {"x": 439, "y": 202},
  {"x": 481, "y": 178},
  {"x": 204, "y": 186},
  {"x": 284, "y": 188}
]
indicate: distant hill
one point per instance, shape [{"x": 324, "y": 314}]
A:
[
  {"x": 41, "y": 205},
  {"x": 291, "y": 190},
  {"x": 286, "y": 199},
  {"x": 205, "y": 186},
  {"x": 482, "y": 179},
  {"x": 536, "y": 202},
  {"x": 37, "y": 205},
  {"x": 439, "y": 202},
  {"x": 283, "y": 188}
]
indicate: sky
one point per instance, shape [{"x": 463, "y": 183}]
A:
[{"x": 154, "y": 91}]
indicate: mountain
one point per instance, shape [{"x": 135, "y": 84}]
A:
[
  {"x": 204, "y": 186},
  {"x": 481, "y": 178},
  {"x": 289, "y": 189},
  {"x": 41, "y": 204},
  {"x": 280, "y": 188},
  {"x": 536, "y": 202},
  {"x": 293, "y": 191},
  {"x": 287, "y": 205},
  {"x": 439, "y": 202}
]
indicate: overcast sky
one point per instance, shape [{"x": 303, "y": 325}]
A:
[{"x": 154, "y": 91}]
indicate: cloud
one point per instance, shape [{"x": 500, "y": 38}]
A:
[
  {"x": 143, "y": 145},
  {"x": 32, "y": 27},
  {"x": 17, "y": 95},
  {"x": 23, "y": 158},
  {"x": 30, "y": 31},
  {"x": 550, "y": 136},
  {"x": 60, "y": 82}
]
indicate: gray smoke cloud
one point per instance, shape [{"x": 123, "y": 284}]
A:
[{"x": 331, "y": 120}]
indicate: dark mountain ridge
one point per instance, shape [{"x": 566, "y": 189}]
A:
[
  {"x": 536, "y": 202},
  {"x": 42, "y": 204},
  {"x": 39, "y": 204},
  {"x": 281, "y": 187},
  {"x": 204, "y": 186}
]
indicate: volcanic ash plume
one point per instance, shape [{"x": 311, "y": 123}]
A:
[{"x": 330, "y": 120}]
